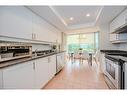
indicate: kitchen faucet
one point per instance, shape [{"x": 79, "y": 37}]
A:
[{"x": 35, "y": 54}]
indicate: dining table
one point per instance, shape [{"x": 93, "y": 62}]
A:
[{"x": 80, "y": 58}]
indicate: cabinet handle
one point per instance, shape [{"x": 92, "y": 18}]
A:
[
  {"x": 34, "y": 65},
  {"x": 117, "y": 36},
  {"x": 126, "y": 20},
  {"x": 32, "y": 36},
  {"x": 48, "y": 59}
]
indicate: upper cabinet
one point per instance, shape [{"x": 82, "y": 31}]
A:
[
  {"x": 44, "y": 31},
  {"x": 118, "y": 28},
  {"x": 20, "y": 22},
  {"x": 16, "y": 22},
  {"x": 118, "y": 22}
]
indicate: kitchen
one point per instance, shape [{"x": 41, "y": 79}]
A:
[{"x": 33, "y": 44}]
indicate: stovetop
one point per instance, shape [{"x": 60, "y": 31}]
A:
[
  {"x": 117, "y": 55},
  {"x": 117, "y": 58}
]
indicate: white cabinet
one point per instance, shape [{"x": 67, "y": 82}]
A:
[
  {"x": 114, "y": 25},
  {"x": 45, "y": 69},
  {"x": 119, "y": 21},
  {"x": 114, "y": 37},
  {"x": 28, "y": 75},
  {"x": 52, "y": 65},
  {"x": 60, "y": 61},
  {"x": 1, "y": 79},
  {"x": 16, "y": 21},
  {"x": 125, "y": 76},
  {"x": 41, "y": 72},
  {"x": 39, "y": 29},
  {"x": 20, "y": 76},
  {"x": 63, "y": 58},
  {"x": 102, "y": 63}
]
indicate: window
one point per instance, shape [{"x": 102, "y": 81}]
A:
[{"x": 88, "y": 42}]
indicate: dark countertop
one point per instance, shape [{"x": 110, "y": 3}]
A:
[
  {"x": 23, "y": 60},
  {"x": 116, "y": 55},
  {"x": 113, "y": 51}
]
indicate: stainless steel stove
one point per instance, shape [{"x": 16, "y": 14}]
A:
[{"x": 116, "y": 69}]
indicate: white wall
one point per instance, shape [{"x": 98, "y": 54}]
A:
[{"x": 15, "y": 21}]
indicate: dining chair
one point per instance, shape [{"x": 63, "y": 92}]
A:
[
  {"x": 77, "y": 56},
  {"x": 85, "y": 56},
  {"x": 96, "y": 56}
]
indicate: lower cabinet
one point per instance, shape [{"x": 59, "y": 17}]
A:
[
  {"x": 41, "y": 72},
  {"x": 20, "y": 76},
  {"x": 63, "y": 58},
  {"x": 1, "y": 79},
  {"x": 52, "y": 65},
  {"x": 28, "y": 75},
  {"x": 45, "y": 69},
  {"x": 102, "y": 61},
  {"x": 125, "y": 76}
]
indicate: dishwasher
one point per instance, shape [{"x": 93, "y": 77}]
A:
[{"x": 59, "y": 62}]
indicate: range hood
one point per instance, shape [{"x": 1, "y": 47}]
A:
[{"x": 122, "y": 29}]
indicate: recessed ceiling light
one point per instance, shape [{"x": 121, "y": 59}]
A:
[
  {"x": 88, "y": 15},
  {"x": 71, "y": 18}
]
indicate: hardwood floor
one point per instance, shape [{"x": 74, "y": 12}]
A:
[{"x": 78, "y": 76}]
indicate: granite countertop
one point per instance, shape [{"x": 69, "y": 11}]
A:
[{"x": 23, "y": 60}]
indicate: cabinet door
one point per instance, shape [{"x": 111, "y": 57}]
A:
[
  {"x": 119, "y": 21},
  {"x": 1, "y": 79},
  {"x": 125, "y": 76},
  {"x": 63, "y": 58},
  {"x": 114, "y": 25},
  {"x": 125, "y": 16},
  {"x": 16, "y": 21},
  {"x": 39, "y": 29},
  {"x": 102, "y": 66},
  {"x": 52, "y": 65},
  {"x": 114, "y": 37},
  {"x": 20, "y": 76},
  {"x": 41, "y": 72}
]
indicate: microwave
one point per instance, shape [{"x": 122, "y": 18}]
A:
[{"x": 14, "y": 51}]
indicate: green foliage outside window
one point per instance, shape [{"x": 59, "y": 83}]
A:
[
  {"x": 89, "y": 43},
  {"x": 75, "y": 47}
]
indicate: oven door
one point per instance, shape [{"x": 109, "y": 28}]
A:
[{"x": 113, "y": 73}]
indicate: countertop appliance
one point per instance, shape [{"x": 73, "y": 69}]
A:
[
  {"x": 11, "y": 51},
  {"x": 116, "y": 69}
]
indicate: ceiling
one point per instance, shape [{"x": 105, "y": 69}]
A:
[{"x": 67, "y": 18}]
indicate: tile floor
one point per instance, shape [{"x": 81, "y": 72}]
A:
[{"x": 78, "y": 76}]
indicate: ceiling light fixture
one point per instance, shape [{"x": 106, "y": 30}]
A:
[
  {"x": 88, "y": 15},
  {"x": 71, "y": 18}
]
